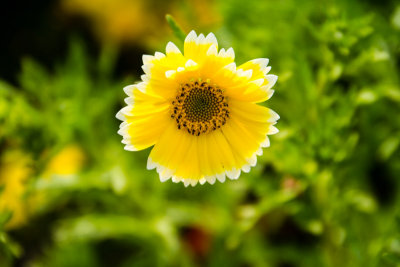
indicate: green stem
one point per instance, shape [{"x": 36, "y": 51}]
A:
[{"x": 176, "y": 28}]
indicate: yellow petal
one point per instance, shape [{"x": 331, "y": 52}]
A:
[
  {"x": 196, "y": 47},
  {"x": 156, "y": 67},
  {"x": 258, "y": 66},
  {"x": 144, "y": 120},
  {"x": 251, "y": 111}
]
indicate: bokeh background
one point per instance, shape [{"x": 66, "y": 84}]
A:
[{"x": 326, "y": 193}]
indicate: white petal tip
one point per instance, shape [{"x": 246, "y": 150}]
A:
[
  {"x": 230, "y": 53},
  {"x": 163, "y": 179},
  {"x": 271, "y": 80},
  {"x": 274, "y": 116},
  {"x": 245, "y": 74},
  {"x": 246, "y": 168},
  {"x": 258, "y": 82},
  {"x": 129, "y": 101},
  {"x": 253, "y": 160},
  {"x": 172, "y": 49},
  {"x": 273, "y": 130},
  {"x": 221, "y": 177},
  {"x": 190, "y": 63},
  {"x": 262, "y": 62},
  {"x": 233, "y": 174},
  {"x": 151, "y": 164},
  {"x": 211, "y": 179},
  {"x": 231, "y": 67},
  {"x": 159, "y": 55},
  {"x": 170, "y": 73},
  {"x": 120, "y": 116},
  {"x": 146, "y": 68},
  {"x": 266, "y": 142},
  {"x": 129, "y": 89},
  {"x": 212, "y": 51},
  {"x": 266, "y": 70},
  {"x": 130, "y": 148},
  {"x": 165, "y": 174},
  {"x": 201, "y": 39},
  {"x": 145, "y": 78},
  {"x": 211, "y": 39},
  {"x": 176, "y": 179},
  {"x": 141, "y": 87},
  {"x": 147, "y": 59},
  {"x": 270, "y": 93},
  {"x": 191, "y": 37}
]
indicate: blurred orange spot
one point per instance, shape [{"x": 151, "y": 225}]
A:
[
  {"x": 291, "y": 184},
  {"x": 198, "y": 241}
]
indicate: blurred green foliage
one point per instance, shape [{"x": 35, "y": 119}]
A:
[{"x": 324, "y": 194}]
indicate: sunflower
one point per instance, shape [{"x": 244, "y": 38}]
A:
[{"x": 200, "y": 111}]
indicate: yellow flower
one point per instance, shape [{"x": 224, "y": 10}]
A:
[
  {"x": 119, "y": 20},
  {"x": 14, "y": 173},
  {"x": 69, "y": 161},
  {"x": 137, "y": 21},
  {"x": 200, "y": 111},
  {"x": 65, "y": 164}
]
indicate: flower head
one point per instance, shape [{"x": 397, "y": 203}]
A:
[{"x": 200, "y": 111}]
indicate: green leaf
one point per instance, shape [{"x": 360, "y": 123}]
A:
[
  {"x": 176, "y": 28},
  {"x": 5, "y": 216}
]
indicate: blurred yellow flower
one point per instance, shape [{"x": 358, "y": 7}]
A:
[
  {"x": 14, "y": 171},
  {"x": 140, "y": 21},
  {"x": 68, "y": 161},
  {"x": 199, "y": 111},
  {"x": 119, "y": 20}
]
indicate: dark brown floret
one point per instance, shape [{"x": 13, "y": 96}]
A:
[{"x": 200, "y": 107}]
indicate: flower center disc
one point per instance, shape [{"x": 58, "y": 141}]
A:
[{"x": 200, "y": 107}]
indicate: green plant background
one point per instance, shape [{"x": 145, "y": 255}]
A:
[{"x": 326, "y": 193}]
